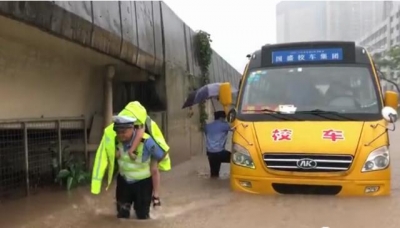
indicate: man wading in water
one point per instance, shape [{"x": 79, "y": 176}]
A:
[{"x": 138, "y": 145}]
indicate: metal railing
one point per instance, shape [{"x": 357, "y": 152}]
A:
[{"x": 30, "y": 149}]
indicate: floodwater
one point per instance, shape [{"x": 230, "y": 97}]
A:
[{"x": 190, "y": 199}]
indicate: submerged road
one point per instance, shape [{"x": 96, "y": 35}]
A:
[{"x": 190, "y": 199}]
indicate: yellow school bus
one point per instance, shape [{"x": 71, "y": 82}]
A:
[{"x": 311, "y": 118}]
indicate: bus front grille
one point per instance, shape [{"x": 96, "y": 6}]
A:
[{"x": 307, "y": 162}]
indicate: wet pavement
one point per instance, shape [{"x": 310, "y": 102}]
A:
[{"x": 190, "y": 199}]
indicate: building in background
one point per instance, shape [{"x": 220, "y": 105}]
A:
[
  {"x": 372, "y": 24},
  {"x": 386, "y": 33},
  {"x": 328, "y": 20},
  {"x": 349, "y": 20},
  {"x": 381, "y": 37},
  {"x": 300, "y": 21}
]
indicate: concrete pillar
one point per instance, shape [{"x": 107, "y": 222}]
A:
[{"x": 108, "y": 95}]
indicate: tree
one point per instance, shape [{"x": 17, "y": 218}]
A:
[{"x": 389, "y": 60}]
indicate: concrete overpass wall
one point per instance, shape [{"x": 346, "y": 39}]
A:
[
  {"x": 148, "y": 35},
  {"x": 35, "y": 82},
  {"x": 130, "y": 31},
  {"x": 42, "y": 75}
]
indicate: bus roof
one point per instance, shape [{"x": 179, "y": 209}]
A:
[{"x": 322, "y": 52}]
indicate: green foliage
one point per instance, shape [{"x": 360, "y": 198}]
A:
[
  {"x": 389, "y": 60},
  {"x": 204, "y": 57},
  {"x": 203, "y": 115},
  {"x": 203, "y": 53},
  {"x": 73, "y": 173}
]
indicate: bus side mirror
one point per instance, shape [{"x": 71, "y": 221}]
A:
[
  {"x": 389, "y": 114},
  {"x": 391, "y": 99},
  {"x": 225, "y": 95}
]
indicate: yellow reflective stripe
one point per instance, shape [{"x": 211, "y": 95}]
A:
[
  {"x": 137, "y": 175},
  {"x": 132, "y": 165},
  {"x": 126, "y": 158}
]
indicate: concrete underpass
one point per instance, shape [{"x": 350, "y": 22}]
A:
[{"x": 67, "y": 67}]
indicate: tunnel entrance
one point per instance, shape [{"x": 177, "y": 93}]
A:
[{"x": 146, "y": 92}]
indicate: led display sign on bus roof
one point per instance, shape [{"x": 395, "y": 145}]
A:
[{"x": 307, "y": 55}]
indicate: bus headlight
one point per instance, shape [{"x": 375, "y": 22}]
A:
[
  {"x": 241, "y": 157},
  {"x": 377, "y": 160}
]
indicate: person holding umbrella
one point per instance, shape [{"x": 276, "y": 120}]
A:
[
  {"x": 216, "y": 132},
  {"x": 216, "y": 136}
]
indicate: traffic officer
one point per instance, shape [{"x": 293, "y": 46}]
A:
[
  {"x": 106, "y": 153},
  {"x": 134, "y": 182},
  {"x": 145, "y": 124}
]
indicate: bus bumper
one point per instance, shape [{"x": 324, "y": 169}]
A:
[{"x": 270, "y": 185}]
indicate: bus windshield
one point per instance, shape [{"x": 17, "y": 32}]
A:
[{"x": 346, "y": 89}]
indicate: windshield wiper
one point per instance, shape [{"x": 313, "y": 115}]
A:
[
  {"x": 280, "y": 115},
  {"x": 321, "y": 113}
]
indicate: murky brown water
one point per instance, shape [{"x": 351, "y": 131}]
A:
[{"x": 192, "y": 200}]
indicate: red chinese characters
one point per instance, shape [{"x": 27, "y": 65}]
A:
[
  {"x": 333, "y": 135},
  {"x": 282, "y": 135}
]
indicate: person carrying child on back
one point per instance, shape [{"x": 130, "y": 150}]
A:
[{"x": 134, "y": 140}]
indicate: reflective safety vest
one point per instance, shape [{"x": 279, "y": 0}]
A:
[{"x": 134, "y": 169}]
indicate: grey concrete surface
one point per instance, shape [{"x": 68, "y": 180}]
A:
[
  {"x": 138, "y": 32},
  {"x": 190, "y": 199}
]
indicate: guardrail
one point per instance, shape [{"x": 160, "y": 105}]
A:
[{"x": 30, "y": 149}]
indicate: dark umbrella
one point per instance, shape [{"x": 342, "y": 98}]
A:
[{"x": 206, "y": 92}]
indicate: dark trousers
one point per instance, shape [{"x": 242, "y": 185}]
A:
[
  {"x": 139, "y": 194},
  {"x": 215, "y": 159}
]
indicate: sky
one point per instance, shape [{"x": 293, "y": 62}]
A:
[{"x": 237, "y": 27}]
